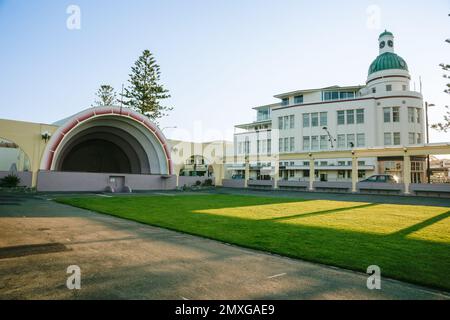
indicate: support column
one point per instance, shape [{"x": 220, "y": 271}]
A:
[
  {"x": 276, "y": 174},
  {"x": 312, "y": 174},
  {"x": 354, "y": 173},
  {"x": 407, "y": 173},
  {"x": 247, "y": 172}
]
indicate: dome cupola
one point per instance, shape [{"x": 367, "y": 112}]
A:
[{"x": 387, "y": 59}]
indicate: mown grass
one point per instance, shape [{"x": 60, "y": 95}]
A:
[{"x": 410, "y": 243}]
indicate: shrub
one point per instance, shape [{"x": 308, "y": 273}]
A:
[
  {"x": 10, "y": 181},
  {"x": 208, "y": 183},
  {"x": 198, "y": 183}
]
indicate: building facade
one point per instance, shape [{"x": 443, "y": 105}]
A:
[{"x": 383, "y": 113}]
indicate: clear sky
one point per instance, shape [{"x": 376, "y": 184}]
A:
[{"x": 219, "y": 58}]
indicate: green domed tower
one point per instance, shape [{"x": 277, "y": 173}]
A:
[{"x": 387, "y": 59}]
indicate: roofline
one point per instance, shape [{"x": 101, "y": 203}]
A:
[
  {"x": 282, "y": 95},
  {"x": 349, "y": 100},
  {"x": 267, "y": 106},
  {"x": 253, "y": 123}
]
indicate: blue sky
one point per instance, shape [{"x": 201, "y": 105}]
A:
[{"x": 219, "y": 58}]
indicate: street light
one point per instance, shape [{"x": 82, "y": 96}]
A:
[
  {"x": 330, "y": 137},
  {"x": 428, "y": 140},
  {"x": 175, "y": 127}
]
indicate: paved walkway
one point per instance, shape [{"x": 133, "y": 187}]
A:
[{"x": 121, "y": 259}]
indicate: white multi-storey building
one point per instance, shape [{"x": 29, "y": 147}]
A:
[{"x": 383, "y": 113}]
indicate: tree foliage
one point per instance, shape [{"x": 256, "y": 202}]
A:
[
  {"x": 106, "y": 96},
  {"x": 445, "y": 125},
  {"x": 145, "y": 92}
]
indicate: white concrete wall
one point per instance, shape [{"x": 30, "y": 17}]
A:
[{"x": 55, "y": 181}]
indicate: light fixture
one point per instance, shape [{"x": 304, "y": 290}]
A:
[{"x": 46, "y": 136}]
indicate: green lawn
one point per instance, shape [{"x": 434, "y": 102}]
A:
[{"x": 410, "y": 243}]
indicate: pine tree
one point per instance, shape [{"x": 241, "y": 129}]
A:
[
  {"x": 144, "y": 92},
  {"x": 106, "y": 96}
]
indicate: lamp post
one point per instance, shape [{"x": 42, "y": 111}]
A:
[
  {"x": 330, "y": 137},
  {"x": 428, "y": 140},
  {"x": 168, "y": 128}
]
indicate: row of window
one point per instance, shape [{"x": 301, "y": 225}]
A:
[
  {"x": 286, "y": 122},
  {"x": 414, "y": 138},
  {"x": 297, "y": 100},
  {"x": 394, "y": 138},
  {"x": 317, "y": 119},
  {"x": 336, "y": 95},
  {"x": 389, "y": 88},
  {"x": 350, "y": 116},
  {"x": 392, "y": 114},
  {"x": 343, "y": 141},
  {"x": 414, "y": 115},
  {"x": 353, "y": 116},
  {"x": 349, "y": 141},
  {"x": 286, "y": 144},
  {"x": 322, "y": 163}
]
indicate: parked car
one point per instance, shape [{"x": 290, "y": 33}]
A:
[{"x": 385, "y": 178}]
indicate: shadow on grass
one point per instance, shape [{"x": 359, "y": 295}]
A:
[
  {"x": 413, "y": 260},
  {"x": 422, "y": 225},
  {"x": 318, "y": 213}
]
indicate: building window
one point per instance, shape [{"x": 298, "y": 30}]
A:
[
  {"x": 240, "y": 148},
  {"x": 285, "y": 102},
  {"x": 404, "y": 87},
  {"x": 351, "y": 140},
  {"x": 350, "y": 116},
  {"x": 397, "y": 140},
  {"x": 280, "y": 123},
  {"x": 286, "y": 122},
  {"x": 374, "y": 90},
  {"x": 411, "y": 138},
  {"x": 360, "y": 140},
  {"x": 387, "y": 139},
  {"x": 411, "y": 116},
  {"x": 341, "y": 117},
  {"x": 292, "y": 121},
  {"x": 292, "y": 144},
  {"x": 419, "y": 115},
  {"x": 419, "y": 138},
  {"x": 396, "y": 114},
  {"x": 306, "y": 120},
  {"x": 341, "y": 163},
  {"x": 389, "y": 87},
  {"x": 291, "y": 173},
  {"x": 360, "y": 116},
  {"x": 286, "y": 144},
  {"x": 306, "y": 144},
  {"x": 361, "y": 163},
  {"x": 280, "y": 145},
  {"x": 387, "y": 114},
  {"x": 247, "y": 146},
  {"x": 323, "y": 142},
  {"x": 314, "y": 142},
  {"x": 341, "y": 141},
  {"x": 298, "y": 99},
  {"x": 323, "y": 118},
  {"x": 314, "y": 119}
]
